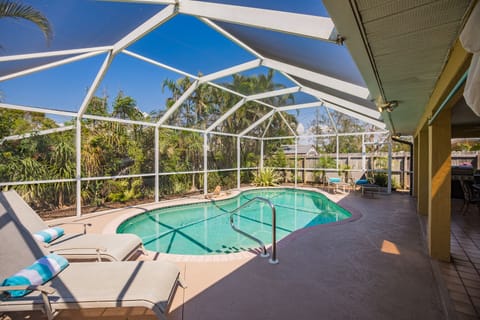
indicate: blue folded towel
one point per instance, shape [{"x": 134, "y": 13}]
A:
[
  {"x": 334, "y": 180},
  {"x": 48, "y": 235},
  {"x": 362, "y": 181},
  {"x": 38, "y": 273}
]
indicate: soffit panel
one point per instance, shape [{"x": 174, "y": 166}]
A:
[{"x": 410, "y": 42}]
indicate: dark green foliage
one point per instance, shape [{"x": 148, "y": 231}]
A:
[{"x": 116, "y": 149}]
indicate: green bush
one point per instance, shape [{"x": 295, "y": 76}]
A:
[
  {"x": 267, "y": 177},
  {"x": 381, "y": 179}
]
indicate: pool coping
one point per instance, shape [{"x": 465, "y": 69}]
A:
[{"x": 112, "y": 226}]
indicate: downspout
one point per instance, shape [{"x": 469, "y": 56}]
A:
[{"x": 411, "y": 159}]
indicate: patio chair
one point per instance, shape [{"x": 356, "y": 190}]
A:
[
  {"x": 81, "y": 247},
  {"x": 366, "y": 184},
  {"x": 336, "y": 183},
  {"x": 146, "y": 284},
  {"x": 469, "y": 195}
]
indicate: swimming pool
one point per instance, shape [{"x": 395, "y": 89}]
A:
[{"x": 204, "y": 228}]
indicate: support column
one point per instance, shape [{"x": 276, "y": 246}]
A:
[
  {"x": 205, "y": 164},
  {"x": 389, "y": 185},
  {"x": 422, "y": 175},
  {"x": 238, "y": 163},
  {"x": 337, "y": 151},
  {"x": 78, "y": 173},
  {"x": 416, "y": 142},
  {"x": 296, "y": 160},
  {"x": 364, "y": 154},
  {"x": 439, "y": 190},
  {"x": 157, "y": 163},
  {"x": 261, "y": 154}
]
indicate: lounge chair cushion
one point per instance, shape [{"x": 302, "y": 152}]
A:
[
  {"x": 38, "y": 273},
  {"x": 48, "y": 235},
  {"x": 334, "y": 180},
  {"x": 362, "y": 181}
]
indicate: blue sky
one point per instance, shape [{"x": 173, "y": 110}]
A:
[{"x": 184, "y": 42}]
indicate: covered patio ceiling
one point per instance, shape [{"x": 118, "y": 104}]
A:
[
  {"x": 298, "y": 40},
  {"x": 401, "y": 49}
]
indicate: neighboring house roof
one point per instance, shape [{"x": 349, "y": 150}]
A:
[{"x": 308, "y": 150}]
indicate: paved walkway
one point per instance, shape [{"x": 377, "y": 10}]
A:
[{"x": 375, "y": 267}]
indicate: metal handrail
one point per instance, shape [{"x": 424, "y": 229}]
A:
[{"x": 273, "y": 259}]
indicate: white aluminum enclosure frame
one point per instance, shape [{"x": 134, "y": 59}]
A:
[{"x": 303, "y": 25}]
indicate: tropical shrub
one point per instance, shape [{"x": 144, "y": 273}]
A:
[
  {"x": 381, "y": 179},
  {"x": 266, "y": 177}
]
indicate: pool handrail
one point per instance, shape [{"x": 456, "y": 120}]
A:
[{"x": 273, "y": 259}]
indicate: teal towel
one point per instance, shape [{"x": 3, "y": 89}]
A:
[
  {"x": 48, "y": 235},
  {"x": 362, "y": 181},
  {"x": 38, "y": 273},
  {"x": 334, "y": 180}
]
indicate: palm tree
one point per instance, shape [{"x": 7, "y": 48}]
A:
[{"x": 13, "y": 9}]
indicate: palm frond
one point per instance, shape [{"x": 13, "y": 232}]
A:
[{"x": 11, "y": 9}]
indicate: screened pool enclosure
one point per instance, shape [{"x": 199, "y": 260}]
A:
[{"x": 165, "y": 97}]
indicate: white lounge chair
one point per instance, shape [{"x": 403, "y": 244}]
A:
[
  {"x": 83, "y": 247},
  {"x": 148, "y": 284}
]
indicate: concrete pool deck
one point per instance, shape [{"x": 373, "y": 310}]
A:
[{"x": 375, "y": 267}]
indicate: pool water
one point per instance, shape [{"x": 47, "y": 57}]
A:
[{"x": 204, "y": 228}]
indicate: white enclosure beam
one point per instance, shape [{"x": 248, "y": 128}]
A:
[
  {"x": 91, "y": 91},
  {"x": 288, "y": 124},
  {"x": 213, "y": 84},
  {"x": 301, "y": 106},
  {"x": 159, "y": 64},
  {"x": 232, "y": 38},
  {"x": 389, "y": 184},
  {"x": 50, "y": 65},
  {"x": 226, "y": 115},
  {"x": 315, "y": 77},
  {"x": 296, "y": 161},
  {"x": 146, "y": 1},
  {"x": 238, "y": 163},
  {"x": 158, "y": 19},
  {"x": 166, "y": 126},
  {"x": 229, "y": 71},
  {"x": 36, "y": 133},
  {"x": 205, "y": 164},
  {"x": 78, "y": 165},
  {"x": 364, "y": 108},
  {"x": 267, "y": 127},
  {"x": 228, "y": 134},
  {"x": 330, "y": 135},
  {"x": 57, "y": 53},
  {"x": 179, "y": 102},
  {"x": 280, "y": 138},
  {"x": 39, "y": 110},
  {"x": 287, "y": 22},
  {"x": 353, "y": 114},
  {"x": 337, "y": 150},
  {"x": 274, "y": 93},
  {"x": 125, "y": 121},
  {"x": 256, "y": 123},
  {"x": 364, "y": 153},
  {"x": 334, "y": 125},
  {"x": 262, "y": 147},
  {"x": 157, "y": 164}
]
